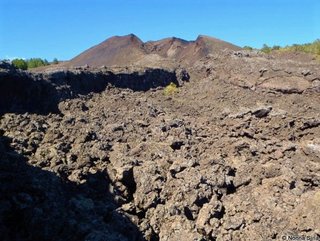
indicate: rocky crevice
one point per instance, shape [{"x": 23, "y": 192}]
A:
[{"x": 42, "y": 92}]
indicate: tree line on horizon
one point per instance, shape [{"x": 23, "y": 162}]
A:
[
  {"x": 25, "y": 64},
  {"x": 311, "y": 48}
]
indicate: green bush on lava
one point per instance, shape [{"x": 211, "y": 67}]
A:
[{"x": 170, "y": 89}]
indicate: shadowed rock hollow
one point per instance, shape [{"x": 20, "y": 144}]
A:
[{"x": 102, "y": 153}]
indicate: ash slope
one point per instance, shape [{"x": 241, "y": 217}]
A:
[{"x": 129, "y": 49}]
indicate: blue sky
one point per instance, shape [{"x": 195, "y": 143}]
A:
[{"x": 64, "y": 28}]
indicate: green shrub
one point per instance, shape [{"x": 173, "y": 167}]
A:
[
  {"x": 170, "y": 89},
  {"x": 247, "y": 48},
  {"x": 20, "y": 64},
  {"x": 29, "y": 63},
  {"x": 266, "y": 49},
  {"x": 55, "y": 61},
  {"x": 36, "y": 62},
  {"x": 311, "y": 48}
]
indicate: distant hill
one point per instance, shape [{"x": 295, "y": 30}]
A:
[{"x": 129, "y": 49}]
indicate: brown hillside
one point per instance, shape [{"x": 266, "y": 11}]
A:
[
  {"x": 129, "y": 49},
  {"x": 113, "y": 51}
]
